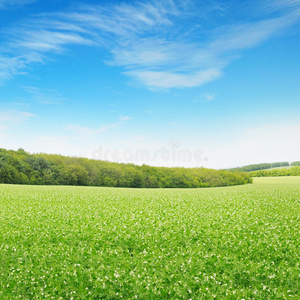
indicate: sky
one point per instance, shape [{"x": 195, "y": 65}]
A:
[{"x": 167, "y": 83}]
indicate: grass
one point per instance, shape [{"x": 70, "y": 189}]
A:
[{"x": 237, "y": 242}]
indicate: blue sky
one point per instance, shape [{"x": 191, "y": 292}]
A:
[{"x": 84, "y": 78}]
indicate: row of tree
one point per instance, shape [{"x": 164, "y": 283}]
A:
[
  {"x": 256, "y": 167},
  {"x": 295, "y": 164},
  {"x": 20, "y": 167},
  {"x": 294, "y": 171}
]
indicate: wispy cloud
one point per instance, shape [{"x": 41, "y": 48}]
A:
[
  {"x": 14, "y": 116},
  {"x": 49, "y": 41},
  {"x": 10, "y": 119},
  {"x": 280, "y": 6},
  {"x": 9, "y": 3},
  {"x": 126, "y": 118},
  {"x": 157, "y": 79},
  {"x": 11, "y": 66},
  {"x": 85, "y": 131},
  {"x": 154, "y": 43},
  {"x": 204, "y": 98},
  {"x": 44, "y": 96}
]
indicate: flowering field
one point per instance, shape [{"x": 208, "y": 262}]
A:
[{"x": 239, "y": 242}]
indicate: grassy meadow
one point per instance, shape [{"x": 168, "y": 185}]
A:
[{"x": 240, "y": 242}]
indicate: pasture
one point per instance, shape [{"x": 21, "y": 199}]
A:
[{"x": 241, "y": 242}]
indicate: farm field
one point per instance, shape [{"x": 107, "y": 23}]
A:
[{"x": 240, "y": 242}]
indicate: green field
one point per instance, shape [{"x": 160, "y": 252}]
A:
[{"x": 239, "y": 242}]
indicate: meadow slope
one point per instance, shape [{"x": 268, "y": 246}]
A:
[{"x": 238, "y": 242}]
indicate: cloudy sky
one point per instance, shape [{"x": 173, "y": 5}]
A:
[{"x": 172, "y": 79}]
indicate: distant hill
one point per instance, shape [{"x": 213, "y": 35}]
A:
[
  {"x": 276, "y": 172},
  {"x": 263, "y": 166},
  {"x": 20, "y": 167}
]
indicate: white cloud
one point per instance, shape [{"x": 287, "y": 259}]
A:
[
  {"x": 153, "y": 41},
  {"x": 11, "y": 119},
  {"x": 280, "y": 6},
  {"x": 9, "y": 3},
  {"x": 81, "y": 130},
  {"x": 14, "y": 65},
  {"x": 85, "y": 131},
  {"x": 49, "y": 41},
  {"x": 243, "y": 36},
  {"x": 204, "y": 98},
  {"x": 125, "y": 118},
  {"x": 171, "y": 80},
  {"x": 14, "y": 116},
  {"x": 44, "y": 96},
  {"x": 10, "y": 66},
  {"x": 209, "y": 97}
]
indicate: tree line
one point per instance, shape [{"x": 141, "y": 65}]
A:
[
  {"x": 294, "y": 171},
  {"x": 262, "y": 166},
  {"x": 20, "y": 167}
]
